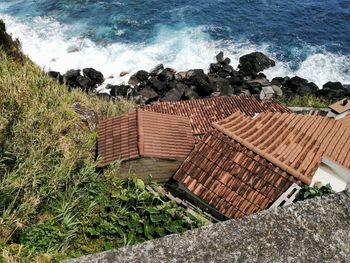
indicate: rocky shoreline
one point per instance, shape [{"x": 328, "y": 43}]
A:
[{"x": 166, "y": 84}]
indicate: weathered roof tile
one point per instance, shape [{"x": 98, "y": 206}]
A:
[{"x": 144, "y": 134}]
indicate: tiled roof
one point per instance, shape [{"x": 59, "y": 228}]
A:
[
  {"x": 230, "y": 177},
  {"x": 345, "y": 121},
  {"x": 295, "y": 143},
  {"x": 203, "y": 112},
  {"x": 340, "y": 106},
  {"x": 144, "y": 134},
  {"x": 244, "y": 164}
]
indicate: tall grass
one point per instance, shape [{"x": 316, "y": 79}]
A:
[{"x": 53, "y": 203}]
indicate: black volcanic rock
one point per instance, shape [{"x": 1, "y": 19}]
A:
[
  {"x": 93, "y": 75},
  {"x": 157, "y": 85},
  {"x": 56, "y": 75},
  {"x": 156, "y": 70},
  {"x": 141, "y": 75},
  {"x": 300, "y": 86},
  {"x": 220, "y": 57},
  {"x": 118, "y": 90},
  {"x": 191, "y": 94},
  {"x": 197, "y": 78},
  {"x": 176, "y": 93},
  {"x": 222, "y": 85},
  {"x": 148, "y": 95},
  {"x": 253, "y": 63},
  {"x": 333, "y": 86},
  {"x": 85, "y": 83},
  {"x": 167, "y": 74},
  {"x": 70, "y": 78}
]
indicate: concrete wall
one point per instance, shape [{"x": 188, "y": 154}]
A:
[
  {"x": 161, "y": 170},
  {"x": 316, "y": 230}
]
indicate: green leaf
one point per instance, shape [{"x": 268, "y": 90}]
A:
[
  {"x": 108, "y": 246},
  {"x": 139, "y": 184},
  {"x": 152, "y": 210},
  {"x": 156, "y": 218},
  {"x": 115, "y": 194},
  {"x": 124, "y": 197}
]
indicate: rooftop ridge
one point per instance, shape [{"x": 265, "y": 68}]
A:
[
  {"x": 140, "y": 132},
  {"x": 295, "y": 143},
  {"x": 263, "y": 154}
]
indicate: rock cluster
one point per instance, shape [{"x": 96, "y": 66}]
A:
[{"x": 166, "y": 84}]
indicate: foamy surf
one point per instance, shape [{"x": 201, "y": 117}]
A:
[{"x": 45, "y": 42}]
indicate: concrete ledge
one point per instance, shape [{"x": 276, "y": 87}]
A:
[{"x": 316, "y": 230}]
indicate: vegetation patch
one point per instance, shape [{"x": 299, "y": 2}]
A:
[
  {"x": 308, "y": 192},
  {"x": 54, "y": 204},
  {"x": 305, "y": 101}
]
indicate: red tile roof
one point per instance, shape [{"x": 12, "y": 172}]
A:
[
  {"x": 245, "y": 163},
  {"x": 203, "y": 112},
  {"x": 295, "y": 143},
  {"x": 230, "y": 177},
  {"x": 144, "y": 134}
]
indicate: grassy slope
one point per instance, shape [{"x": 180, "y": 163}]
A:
[{"x": 53, "y": 203}]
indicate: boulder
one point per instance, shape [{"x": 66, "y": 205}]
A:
[
  {"x": 191, "y": 94},
  {"x": 222, "y": 86},
  {"x": 182, "y": 74},
  {"x": 332, "y": 91},
  {"x": 85, "y": 83},
  {"x": 167, "y": 74},
  {"x": 148, "y": 95},
  {"x": 255, "y": 62},
  {"x": 176, "y": 93},
  {"x": 158, "y": 86},
  {"x": 70, "y": 78},
  {"x": 301, "y": 86},
  {"x": 220, "y": 57},
  {"x": 277, "y": 90},
  {"x": 156, "y": 70},
  {"x": 197, "y": 78},
  {"x": 214, "y": 68},
  {"x": 333, "y": 86},
  {"x": 133, "y": 81},
  {"x": 93, "y": 75},
  {"x": 141, "y": 75},
  {"x": 56, "y": 75},
  {"x": 87, "y": 115},
  {"x": 236, "y": 78},
  {"x": 279, "y": 81},
  {"x": 226, "y": 61},
  {"x": 123, "y": 73},
  {"x": 118, "y": 90},
  {"x": 347, "y": 88}
]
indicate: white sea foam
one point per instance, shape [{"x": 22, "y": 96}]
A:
[{"x": 46, "y": 44}]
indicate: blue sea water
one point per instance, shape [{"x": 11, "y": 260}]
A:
[{"x": 309, "y": 38}]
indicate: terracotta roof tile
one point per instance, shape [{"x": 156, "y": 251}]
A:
[
  {"x": 203, "y": 112},
  {"x": 240, "y": 183},
  {"x": 144, "y": 134},
  {"x": 294, "y": 143}
]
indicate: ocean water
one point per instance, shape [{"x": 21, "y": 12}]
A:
[{"x": 308, "y": 38}]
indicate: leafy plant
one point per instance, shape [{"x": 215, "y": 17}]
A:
[{"x": 308, "y": 192}]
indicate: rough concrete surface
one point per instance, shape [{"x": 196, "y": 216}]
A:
[{"x": 316, "y": 230}]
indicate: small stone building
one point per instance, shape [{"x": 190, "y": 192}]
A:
[
  {"x": 148, "y": 143},
  {"x": 245, "y": 164}
]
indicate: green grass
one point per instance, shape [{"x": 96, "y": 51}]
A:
[
  {"x": 305, "y": 101},
  {"x": 54, "y": 204}
]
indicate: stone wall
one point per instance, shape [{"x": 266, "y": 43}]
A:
[{"x": 316, "y": 230}]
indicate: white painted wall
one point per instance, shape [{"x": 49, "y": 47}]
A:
[{"x": 329, "y": 172}]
